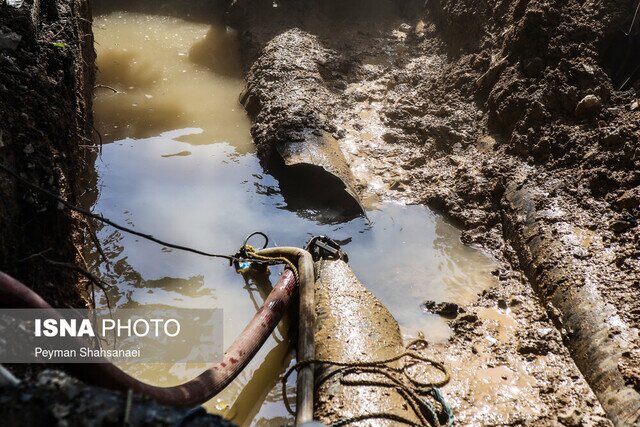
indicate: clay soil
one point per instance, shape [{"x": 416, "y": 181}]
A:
[{"x": 519, "y": 121}]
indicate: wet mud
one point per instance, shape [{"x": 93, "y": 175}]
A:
[
  {"x": 217, "y": 187},
  {"x": 54, "y": 399},
  {"x": 463, "y": 105}
]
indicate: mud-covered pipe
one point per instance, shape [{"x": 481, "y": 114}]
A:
[
  {"x": 306, "y": 325},
  {"x": 595, "y": 345},
  {"x": 14, "y": 294},
  {"x": 354, "y": 326}
]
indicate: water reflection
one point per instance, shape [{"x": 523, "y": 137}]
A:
[
  {"x": 182, "y": 168},
  {"x": 208, "y": 200},
  {"x": 312, "y": 193},
  {"x": 264, "y": 379},
  {"x": 168, "y": 75}
]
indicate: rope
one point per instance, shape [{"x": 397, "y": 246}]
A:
[
  {"x": 633, "y": 21},
  {"x": 415, "y": 393},
  {"x": 249, "y": 253},
  {"x": 377, "y": 416}
]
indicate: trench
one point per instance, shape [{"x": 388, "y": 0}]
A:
[{"x": 178, "y": 162}]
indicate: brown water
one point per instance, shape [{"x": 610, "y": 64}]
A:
[{"x": 178, "y": 162}]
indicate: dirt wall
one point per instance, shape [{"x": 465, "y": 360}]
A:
[
  {"x": 46, "y": 81},
  {"x": 557, "y": 84}
]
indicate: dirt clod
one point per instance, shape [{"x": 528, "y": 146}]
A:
[{"x": 589, "y": 106}]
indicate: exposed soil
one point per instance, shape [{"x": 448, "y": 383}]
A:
[
  {"x": 55, "y": 399},
  {"x": 509, "y": 119},
  {"x": 46, "y": 86}
]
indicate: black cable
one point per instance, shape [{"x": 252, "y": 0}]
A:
[
  {"x": 257, "y": 233},
  {"x": 104, "y": 220}
]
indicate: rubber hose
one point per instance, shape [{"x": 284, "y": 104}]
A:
[{"x": 14, "y": 294}]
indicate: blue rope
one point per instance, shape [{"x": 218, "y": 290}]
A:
[{"x": 435, "y": 392}]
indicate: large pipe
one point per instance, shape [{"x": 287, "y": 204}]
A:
[
  {"x": 597, "y": 337},
  {"x": 354, "y": 326},
  {"x": 14, "y": 294}
]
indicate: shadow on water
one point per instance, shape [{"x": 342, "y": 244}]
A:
[
  {"x": 218, "y": 51},
  {"x": 264, "y": 379},
  {"x": 267, "y": 376},
  {"x": 312, "y": 193}
]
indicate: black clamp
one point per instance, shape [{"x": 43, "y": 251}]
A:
[{"x": 322, "y": 247}]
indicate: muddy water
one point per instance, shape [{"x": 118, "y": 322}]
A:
[{"x": 178, "y": 162}]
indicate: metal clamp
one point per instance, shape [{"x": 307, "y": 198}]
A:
[{"x": 322, "y": 247}]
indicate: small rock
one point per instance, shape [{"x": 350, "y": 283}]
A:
[
  {"x": 502, "y": 304},
  {"x": 396, "y": 186},
  {"x": 417, "y": 162},
  {"x": 443, "y": 111},
  {"x": 536, "y": 347},
  {"x": 28, "y": 149},
  {"x": 455, "y": 160},
  {"x": 60, "y": 411},
  {"x": 9, "y": 40},
  {"x": 391, "y": 137},
  {"x": 470, "y": 318},
  {"x": 445, "y": 309},
  {"x": 360, "y": 95},
  {"x": 486, "y": 143},
  {"x": 634, "y": 105},
  {"x": 571, "y": 417},
  {"x": 629, "y": 199},
  {"x": 580, "y": 253},
  {"x": 588, "y": 106},
  {"x": 621, "y": 225},
  {"x": 543, "y": 332},
  {"x": 515, "y": 301}
]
